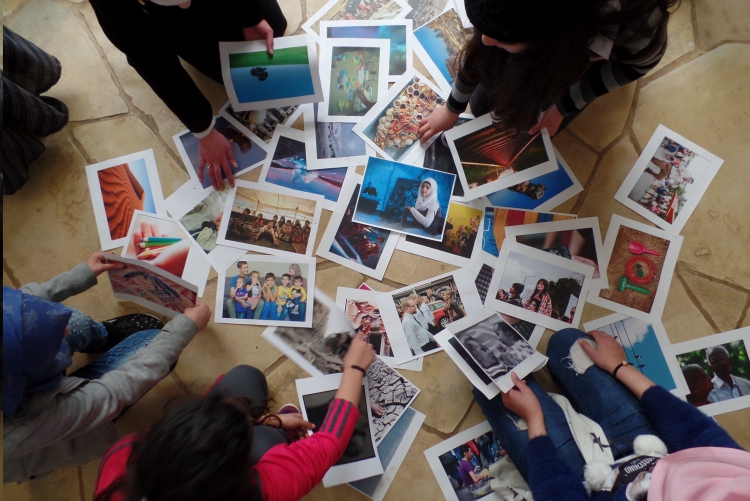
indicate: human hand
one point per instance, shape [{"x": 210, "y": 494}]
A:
[
  {"x": 216, "y": 154},
  {"x": 552, "y": 118},
  {"x": 295, "y": 426},
  {"x": 173, "y": 258},
  {"x": 588, "y": 262},
  {"x": 608, "y": 353},
  {"x": 360, "y": 353},
  {"x": 436, "y": 122},
  {"x": 146, "y": 230},
  {"x": 98, "y": 263},
  {"x": 261, "y": 31},
  {"x": 521, "y": 400},
  {"x": 200, "y": 314}
]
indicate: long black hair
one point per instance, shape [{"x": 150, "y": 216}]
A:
[
  {"x": 198, "y": 452},
  {"x": 521, "y": 85}
]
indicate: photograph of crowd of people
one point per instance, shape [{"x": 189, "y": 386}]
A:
[
  {"x": 426, "y": 310},
  {"x": 494, "y": 345},
  {"x": 716, "y": 373},
  {"x": 497, "y": 219},
  {"x": 460, "y": 232},
  {"x": 471, "y": 466},
  {"x": 668, "y": 180},
  {"x": 258, "y": 289},
  {"x": 366, "y": 320},
  {"x": 404, "y": 198},
  {"x": 272, "y": 220},
  {"x": 203, "y": 221}
]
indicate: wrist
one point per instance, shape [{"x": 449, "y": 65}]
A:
[
  {"x": 355, "y": 369},
  {"x": 207, "y": 131},
  {"x": 536, "y": 426}
]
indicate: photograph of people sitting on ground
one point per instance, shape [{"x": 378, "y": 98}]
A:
[
  {"x": 669, "y": 178},
  {"x": 460, "y": 231},
  {"x": 203, "y": 221},
  {"x": 360, "y": 243},
  {"x": 262, "y": 290},
  {"x": 271, "y": 220},
  {"x": 577, "y": 245},
  {"x": 366, "y": 321},
  {"x": 471, "y": 466},
  {"x": 354, "y": 80},
  {"x": 426, "y": 310},
  {"x": 495, "y": 346},
  {"x": 262, "y": 123},
  {"x": 407, "y": 199},
  {"x": 717, "y": 373},
  {"x": 541, "y": 287}
]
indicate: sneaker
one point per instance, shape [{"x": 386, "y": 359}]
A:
[
  {"x": 122, "y": 327},
  {"x": 289, "y": 409},
  {"x": 295, "y": 311}
]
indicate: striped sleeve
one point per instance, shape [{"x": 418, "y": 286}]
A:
[{"x": 459, "y": 96}]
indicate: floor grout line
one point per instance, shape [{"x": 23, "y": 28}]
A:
[
  {"x": 691, "y": 295},
  {"x": 81, "y": 486},
  {"x": 744, "y": 315},
  {"x": 689, "y": 268},
  {"x": 9, "y": 271}
]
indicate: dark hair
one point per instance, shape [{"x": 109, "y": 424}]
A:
[
  {"x": 521, "y": 85},
  {"x": 464, "y": 448},
  {"x": 297, "y": 277},
  {"x": 287, "y": 275},
  {"x": 270, "y": 275},
  {"x": 546, "y": 286},
  {"x": 240, "y": 263},
  {"x": 518, "y": 287},
  {"x": 198, "y": 452}
]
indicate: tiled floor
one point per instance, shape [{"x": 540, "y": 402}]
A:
[{"x": 700, "y": 90}]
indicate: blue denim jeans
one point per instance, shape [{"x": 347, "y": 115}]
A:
[
  {"x": 595, "y": 394},
  {"x": 116, "y": 356}
]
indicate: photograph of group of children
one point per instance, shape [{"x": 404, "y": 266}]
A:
[{"x": 266, "y": 290}]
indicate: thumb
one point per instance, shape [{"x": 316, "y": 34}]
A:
[{"x": 535, "y": 129}]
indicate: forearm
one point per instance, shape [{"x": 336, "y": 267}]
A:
[
  {"x": 63, "y": 286},
  {"x": 636, "y": 382},
  {"x": 458, "y": 100},
  {"x": 350, "y": 388},
  {"x": 425, "y": 220}
]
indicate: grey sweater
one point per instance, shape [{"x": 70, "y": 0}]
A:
[{"x": 72, "y": 425}]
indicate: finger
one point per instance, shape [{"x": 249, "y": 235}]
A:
[
  {"x": 212, "y": 176},
  {"x": 228, "y": 172},
  {"x": 269, "y": 42},
  {"x": 111, "y": 266},
  {"x": 587, "y": 348},
  {"x": 230, "y": 156},
  {"x": 145, "y": 230},
  {"x": 201, "y": 165},
  {"x": 518, "y": 382}
]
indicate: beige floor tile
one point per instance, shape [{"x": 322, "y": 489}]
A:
[
  {"x": 406, "y": 268},
  {"x": 603, "y": 120},
  {"x": 682, "y": 319},
  {"x": 320, "y": 493},
  {"x": 61, "y": 485},
  {"x": 722, "y": 20},
  {"x": 213, "y": 90},
  {"x": 724, "y": 304},
  {"x": 378, "y": 286},
  {"x": 415, "y": 479},
  {"x": 9, "y": 6},
  {"x": 680, "y": 38},
  {"x": 707, "y": 100},
  {"x": 281, "y": 384},
  {"x": 47, "y": 23},
  {"x": 89, "y": 474},
  {"x": 579, "y": 158},
  {"x": 313, "y": 6},
  {"x": 7, "y": 282},
  {"x": 166, "y": 395},
  {"x": 122, "y": 136},
  {"x": 736, "y": 425},
  {"x": 292, "y": 10},
  {"x": 441, "y": 381},
  {"x": 330, "y": 279}
]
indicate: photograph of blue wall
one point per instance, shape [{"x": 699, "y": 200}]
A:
[
  {"x": 258, "y": 77},
  {"x": 404, "y": 198},
  {"x": 396, "y": 34},
  {"x": 531, "y": 194}
]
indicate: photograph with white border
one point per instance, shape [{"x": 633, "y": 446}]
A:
[
  {"x": 424, "y": 11},
  {"x": 555, "y": 305},
  {"x": 647, "y": 348},
  {"x": 542, "y": 193},
  {"x": 476, "y": 376},
  {"x": 331, "y": 144},
  {"x": 262, "y": 123},
  {"x": 249, "y": 215},
  {"x": 461, "y": 9},
  {"x": 294, "y": 60},
  {"x": 709, "y": 363},
  {"x": 397, "y": 32},
  {"x": 346, "y": 10},
  {"x": 163, "y": 242},
  {"x": 579, "y": 240},
  {"x": 360, "y": 247},
  {"x": 515, "y": 157},
  {"x": 286, "y": 166},
  {"x": 361, "y": 308},
  {"x": 668, "y": 180},
  {"x": 443, "y": 299},
  {"x": 640, "y": 264},
  {"x": 411, "y": 98},
  {"x": 243, "y": 288},
  {"x": 358, "y": 461},
  {"x": 496, "y": 347},
  {"x": 347, "y": 97},
  {"x": 118, "y": 188}
]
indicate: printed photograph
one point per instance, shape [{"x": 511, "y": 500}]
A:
[
  {"x": 357, "y": 242},
  {"x": 354, "y": 10},
  {"x": 471, "y": 466},
  {"x": 438, "y": 157},
  {"x": 540, "y": 287},
  {"x": 336, "y": 139},
  {"x": 404, "y": 198},
  {"x": 716, "y": 373},
  {"x": 366, "y": 320},
  {"x": 669, "y": 179},
  {"x": 288, "y": 168},
  {"x": 497, "y": 219},
  {"x": 578, "y": 245},
  {"x": 258, "y": 289},
  {"x": 635, "y": 268},
  {"x": 203, "y": 222},
  {"x": 460, "y": 232},
  {"x": 535, "y": 192},
  {"x": 125, "y": 188},
  {"x": 147, "y": 288},
  {"x": 442, "y": 39},
  {"x": 160, "y": 242},
  {"x": 390, "y": 395},
  {"x": 426, "y": 310},
  {"x": 256, "y": 76},
  {"x": 263, "y": 123},
  {"x": 271, "y": 220},
  {"x": 395, "y": 128},
  {"x": 395, "y": 33},
  {"x": 354, "y": 80},
  {"x": 423, "y": 11},
  {"x": 246, "y": 153},
  {"x": 495, "y": 346}
]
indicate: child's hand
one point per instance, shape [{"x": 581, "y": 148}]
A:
[
  {"x": 278, "y": 310},
  {"x": 98, "y": 263}
]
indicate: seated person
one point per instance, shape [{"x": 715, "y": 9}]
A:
[{"x": 269, "y": 229}]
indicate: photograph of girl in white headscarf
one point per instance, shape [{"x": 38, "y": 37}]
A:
[{"x": 405, "y": 199}]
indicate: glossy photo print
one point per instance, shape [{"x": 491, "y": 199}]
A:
[
  {"x": 497, "y": 219},
  {"x": 331, "y": 144},
  {"x": 423, "y": 11},
  {"x": 404, "y": 198},
  {"x": 261, "y": 123},
  {"x": 354, "y": 10}
]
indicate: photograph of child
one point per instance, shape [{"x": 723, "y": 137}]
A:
[
  {"x": 459, "y": 236},
  {"x": 438, "y": 157},
  {"x": 334, "y": 139},
  {"x": 266, "y": 290},
  {"x": 407, "y": 199},
  {"x": 246, "y": 151},
  {"x": 396, "y": 32},
  {"x": 366, "y": 320},
  {"x": 716, "y": 373},
  {"x": 261, "y": 123},
  {"x": 203, "y": 221},
  {"x": 497, "y": 219},
  {"x": 441, "y": 40},
  {"x": 354, "y": 79},
  {"x": 125, "y": 189}
]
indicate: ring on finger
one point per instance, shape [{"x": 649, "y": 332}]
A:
[{"x": 208, "y": 166}]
